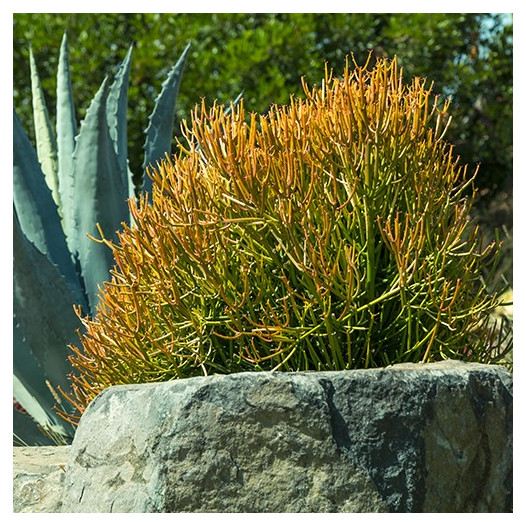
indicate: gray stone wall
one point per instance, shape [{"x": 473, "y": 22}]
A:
[
  {"x": 408, "y": 438},
  {"x": 38, "y": 478}
]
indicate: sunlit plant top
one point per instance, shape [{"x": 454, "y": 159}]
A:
[{"x": 332, "y": 233}]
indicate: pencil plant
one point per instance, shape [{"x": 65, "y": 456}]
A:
[{"x": 332, "y": 233}]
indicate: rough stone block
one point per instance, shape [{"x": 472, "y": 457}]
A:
[
  {"x": 38, "y": 478},
  {"x": 408, "y": 438}
]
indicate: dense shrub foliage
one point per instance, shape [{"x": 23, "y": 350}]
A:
[{"x": 331, "y": 233}]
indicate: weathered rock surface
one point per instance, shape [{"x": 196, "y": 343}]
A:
[
  {"x": 409, "y": 438},
  {"x": 38, "y": 478}
]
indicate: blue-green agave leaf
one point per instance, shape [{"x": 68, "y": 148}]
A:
[
  {"x": 43, "y": 305},
  {"x": 117, "y": 119},
  {"x": 44, "y": 320},
  {"x": 26, "y": 431},
  {"x": 159, "y": 133},
  {"x": 99, "y": 193},
  {"x": 44, "y": 134},
  {"x": 36, "y": 210},
  {"x": 32, "y": 393},
  {"x": 66, "y": 132}
]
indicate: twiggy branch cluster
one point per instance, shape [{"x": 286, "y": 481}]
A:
[{"x": 332, "y": 233}]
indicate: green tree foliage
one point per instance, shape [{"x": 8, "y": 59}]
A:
[{"x": 468, "y": 55}]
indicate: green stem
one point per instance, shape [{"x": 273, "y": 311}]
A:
[{"x": 369, "y": 230}]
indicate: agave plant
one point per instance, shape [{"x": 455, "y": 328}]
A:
[
  {"x": 74, "y": 185},
  {"x": 332, "y": 233}
]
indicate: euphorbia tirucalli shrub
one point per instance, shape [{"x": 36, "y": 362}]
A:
[{"x": 332, "y": 233}]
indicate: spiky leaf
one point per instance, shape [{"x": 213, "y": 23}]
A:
[
  {"x": 44, "y": 320},
  {"x": 159, "y": 133},
  {"x": 99, "y": 193},
  {"x": 44, "y": 134},
  {"x": 116, "y": 111},
  {"x": 37, "y": 212},
  {"x": 33, "y": 394},
  {"x": 66, "y": 132}
]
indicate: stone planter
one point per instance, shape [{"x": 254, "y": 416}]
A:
[
  {"x": 408, "y": 438},
  {"x": 38, "y": 478}
]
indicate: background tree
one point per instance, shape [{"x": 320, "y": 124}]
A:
[{"x": 468, "y": 56}]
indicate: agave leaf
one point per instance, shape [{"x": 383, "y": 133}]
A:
[
  {"x": 116, "y": 110},
  {"x": 43, "y": 304},
  {"x": 32, "y": 393},
  {"x": 25, "y": 430},
  {"x": 36, "y": 210},
  {"x": 159, "y": 133},
  {"x": 44, "y": 320},
  {"x": 66, "y": 132},
  {"x": 44, "y": 134},
  {"x": 99, "y": 194}
]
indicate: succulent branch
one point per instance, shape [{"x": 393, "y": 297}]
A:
[{"x": 331, "y": 233}]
